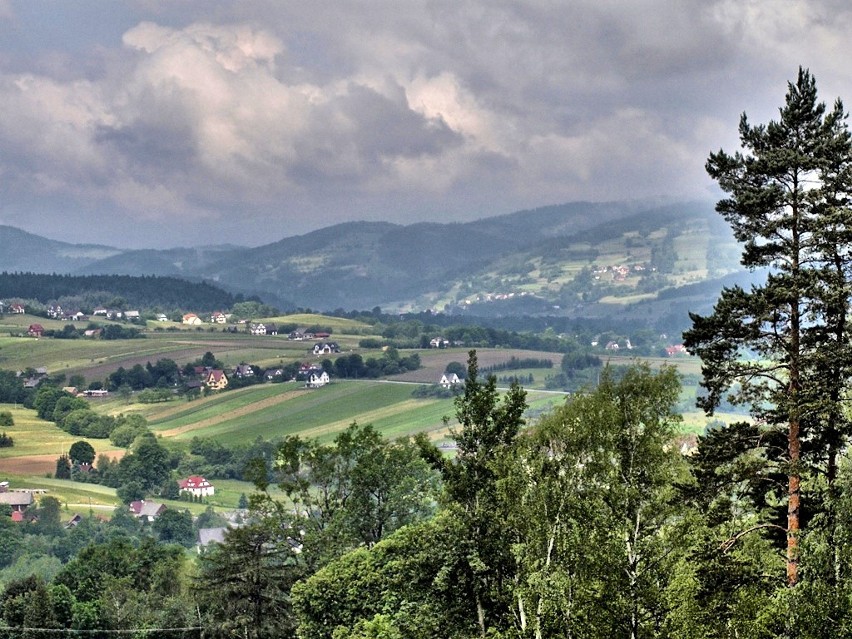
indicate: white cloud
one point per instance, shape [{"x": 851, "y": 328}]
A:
[{"x": 272, "y": 108}]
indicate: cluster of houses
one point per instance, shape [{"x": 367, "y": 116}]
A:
[
  {"x": 496, "y": 297},
  {"x": 56, "y": 312},
  {"x": 15, "y": 308},
  {"x": 23, "y": 499},
  {"x": 314, "y": 376},
  {"x": 619, "y": 272},
  {"x": 216, "y": 379}
]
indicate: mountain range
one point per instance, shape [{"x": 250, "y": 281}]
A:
[{"x": 536, "y": 260}]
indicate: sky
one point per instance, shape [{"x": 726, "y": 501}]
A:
[{"x": 154, "y": 124}]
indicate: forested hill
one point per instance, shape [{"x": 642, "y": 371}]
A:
[
  {"x": 94, "y": 290},
  {"x": 562, "y": 259}
]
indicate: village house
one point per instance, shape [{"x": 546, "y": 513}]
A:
[
  {"x": 326, "y": 348},
  {"x": 218, "y": 317},
  {"x": 317, "y": 380},
  {"x": 18, "y": 500},
  {"x": 162, "y": 317},
  {"x": 306, "y": 370},
  {"x": 675, "y": 349},
  {"x": 196, "y": 486},
  {"x": 216, "y": 380},
  {"x": 147, "y": 510},
  {"x": 273, "y": 373},
  {"x": 35, "y": 330},
  {"x": 17, "y": 309},
  {"x": 438, "y": 342},
  {"x": 258, "y": 329},
  {"x": 192, "y": 319},
  {"x": 448, "y": 381},
  {"x": 244, "y": 370}
]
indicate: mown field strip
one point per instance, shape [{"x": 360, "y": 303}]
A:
[
  {"x": 232, "y": 414},
  {"x": 182, "y": 413},
  {"x": 338, "y": 402},
  {"x": 396, "y": 420}
]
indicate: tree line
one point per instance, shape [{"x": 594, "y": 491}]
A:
[{"x": 146, "y": 291}]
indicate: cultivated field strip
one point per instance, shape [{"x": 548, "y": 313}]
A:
[{"x": 232, "y": 414}]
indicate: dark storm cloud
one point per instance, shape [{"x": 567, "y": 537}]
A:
[{"x": 208, "y": 116}]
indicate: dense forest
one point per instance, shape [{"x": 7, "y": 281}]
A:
[{"x": 135, "y": 292}]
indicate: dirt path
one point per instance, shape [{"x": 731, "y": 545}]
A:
[{"x": 232, "y": 414}]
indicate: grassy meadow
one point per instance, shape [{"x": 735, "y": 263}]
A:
[{"x": 268, "y": 411}]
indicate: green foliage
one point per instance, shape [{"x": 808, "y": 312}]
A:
[
  {"x": 252, "y": 310},
  {"x": 63, "y": 467},
  {"x": 356, "y": 491},
  {"x": 175, "y": 526},
  {"x": 12, "y": 389},
  {"x": 147, "y": 465},
  {"x": 427, "y": 391},
  {"x": 116, "y": 331},
  {"x": 244, "y": 583},
  {"x": 6, "y": 419},
  {"x": 410, "y": 577},
  {"x": 589, "y": 495},
  {"x": 46, "y": 399},
  {"x": 488, "y": 430},
  {"x": 81, "y": 452},
  {"x": 143, "y": 292},
  {"x": 155, "y": 395},
  {"x": 781, "y": 347},
  {"x": 6, "y": 441}
]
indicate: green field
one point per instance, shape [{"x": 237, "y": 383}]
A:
[{"x": 268, "y": 411}]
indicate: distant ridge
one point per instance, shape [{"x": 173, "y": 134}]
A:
[{"x": 356, "y": 265}]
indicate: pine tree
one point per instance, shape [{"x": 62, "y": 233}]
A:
[{"x": 782, "y": 346}]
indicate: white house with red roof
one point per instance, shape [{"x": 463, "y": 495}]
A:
[{"x": 196, "y": 486}]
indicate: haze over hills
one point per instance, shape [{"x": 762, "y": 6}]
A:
[{"x": 550, "y": 259}]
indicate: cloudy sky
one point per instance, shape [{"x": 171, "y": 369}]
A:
[{"x": 149, "y": 123}]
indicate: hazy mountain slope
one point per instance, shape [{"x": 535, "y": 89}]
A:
[
  {"x": 22, "y": 251},
  {"x": 187, "y": 262},
  {"x": 538, "y": 253}
]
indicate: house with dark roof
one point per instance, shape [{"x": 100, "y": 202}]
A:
[
  {"x": 244, "y": 370},
  {"x": 317, "y": 380},
  {"x": 207, "y": 536},
  {"x": 18, "y": 500},
  {"x": 326, "y": 348},
  {"x": 147, "y": 510}
]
